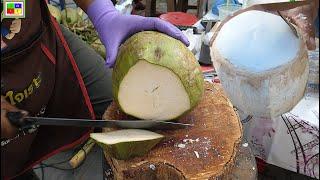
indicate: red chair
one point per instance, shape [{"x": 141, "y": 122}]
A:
[{"x": 180, "y": 18}]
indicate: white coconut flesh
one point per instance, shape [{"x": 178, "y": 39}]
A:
[
  {"x": 257, "y": 41},
  {"x": 152, "y": 92},
  {"x": 125, "y": 135}
]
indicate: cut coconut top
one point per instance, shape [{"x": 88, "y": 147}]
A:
[
  {"x": 125, "y": 135},
  {"x": 257, "y": 41}
]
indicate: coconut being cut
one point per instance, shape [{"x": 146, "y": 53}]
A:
[
  {"x": 262, "y": 64},
  {"x": 156, "y": 77}
]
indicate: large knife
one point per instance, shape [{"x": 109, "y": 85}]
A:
[{"x": 128, "y": 124}]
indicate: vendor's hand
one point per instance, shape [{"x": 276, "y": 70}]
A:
[
  {"x": 114, "y": 28},
  {"x": 15, "y": 26},
  {"x": 304, "y": 17},
  {"x": 8, "y": 130}
]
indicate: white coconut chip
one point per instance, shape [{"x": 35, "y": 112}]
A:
[
  {"x": 125, "y": 135},
  {"x": 197, "y": 154}
]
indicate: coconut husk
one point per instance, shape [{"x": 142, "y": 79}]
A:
[
  {"x": 205, "y": 151},
  {"x": 304, "y": 18}
]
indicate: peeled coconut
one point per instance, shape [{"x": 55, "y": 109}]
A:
[
  {"x": 262, "y": 65},
  {"x": 69, "y": 16},
  {"x": 55, "y": 12},
  {"x": 127, "y": 143},
  {"x": 156, "y": 77}
]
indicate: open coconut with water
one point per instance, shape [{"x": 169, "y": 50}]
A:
[{"x": 261, "y": 62}]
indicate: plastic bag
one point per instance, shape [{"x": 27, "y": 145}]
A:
[
  {"x": 219, "y": 2},
  {"x": 124, "y": 7}
]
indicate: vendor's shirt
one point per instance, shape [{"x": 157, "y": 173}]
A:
[{"x": 18, "y": 33}]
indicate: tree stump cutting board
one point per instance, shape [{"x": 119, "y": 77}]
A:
[{"x": 205, "y": 151}]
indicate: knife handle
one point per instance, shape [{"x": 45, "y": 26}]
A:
[{"x": 18, "y": 120}]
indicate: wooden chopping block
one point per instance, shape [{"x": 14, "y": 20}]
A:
[{"x": 205, "y": 151}]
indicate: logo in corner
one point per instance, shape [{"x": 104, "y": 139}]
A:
[{"x": 14, "y": 9}]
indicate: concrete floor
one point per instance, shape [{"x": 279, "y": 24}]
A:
[{"x": 91, "y": 169}]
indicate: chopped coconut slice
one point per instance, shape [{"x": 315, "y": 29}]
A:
[
  {"x": 152, "y": 92},
  {"x": 126, "y": 135},
  {"x": 127, "y": 143}
]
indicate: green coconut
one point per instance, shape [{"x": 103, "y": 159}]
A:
[
  {"x": 156, "y": 77},
  {"x": 127, "y": 143},
  {"x": 69, "y": 16},
  {"x": 55, "y": 12}
]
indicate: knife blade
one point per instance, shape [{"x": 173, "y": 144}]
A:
[{"x": 129, "y": 124}]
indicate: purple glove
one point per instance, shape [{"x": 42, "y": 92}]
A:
[{"x": 114, "y": 28}]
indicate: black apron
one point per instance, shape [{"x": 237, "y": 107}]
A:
[{"x": 39, "y": 75}]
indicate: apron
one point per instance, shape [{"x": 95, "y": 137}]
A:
[{"x": 41, "y": 77}]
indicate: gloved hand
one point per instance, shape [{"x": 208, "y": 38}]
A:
[
  {"x": 114, "y": 28},
  {"x": 9, "y": 130}
]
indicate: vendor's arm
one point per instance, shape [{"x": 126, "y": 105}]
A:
[{"x": 114, "y": 28}]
